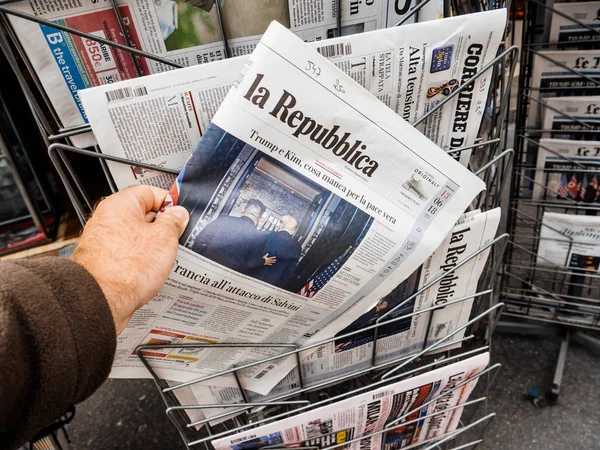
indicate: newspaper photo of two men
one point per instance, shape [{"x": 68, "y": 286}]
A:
[{"x": 262, "y": 219}]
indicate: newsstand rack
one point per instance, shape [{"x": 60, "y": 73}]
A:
[
  {"x": 546, "y": 299},
  {"x": 491, "y": 161}
]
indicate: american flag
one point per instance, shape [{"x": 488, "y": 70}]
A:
[
  {"x": 563, "y": 192},
  {"x": 311, "y": 288},
  {"x": 352, "y": 344}
]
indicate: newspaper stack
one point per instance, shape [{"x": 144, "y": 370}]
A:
[
  {"x": 561, "y": 74},
  {"x": 185, "y": 32},
  {"x": 345, "y": 248},
  {"x": 160, "y": 119},
  {"x": 309, "y": 201},
  {"x": 431, "y": 397},
  {"x": 567, "y": 172}
]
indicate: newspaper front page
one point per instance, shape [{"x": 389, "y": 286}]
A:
[
  {"x": 373, "y": 411},
  {"x": 159, "y": 119},
  {"x": 568, "y": 170},
  {"x": 473, "y": 233},
  {"x": 570, "y": 240},
  {"x": 552, "y": 78},
  {"x": 414, "y": 68},
  {"x": 316, "y": 21},
  {"x": 572, "y": 118},
  {"x": 408, "y": 336},
  {"x": 572, "y": 35},
  {"x": 303, "y": 168},
  {"x": 178, "y": 31}
]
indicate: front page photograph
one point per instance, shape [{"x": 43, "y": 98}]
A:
[{"x": 568, "y": 171}]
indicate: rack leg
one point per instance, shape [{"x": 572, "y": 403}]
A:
[{"x": 560, "y": 368}]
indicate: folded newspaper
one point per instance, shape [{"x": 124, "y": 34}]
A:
[
  {"x": 572, "y": 118},
  {"x": 557, "y": 74},
  {"x": 580, "y": 33},
  {"x": 425, "y": 404},
  {"x": 309, "y": 201},
  {"x": 346, "y": 356},
  {"x": 568, "y": 170},
  {"x": 160, "y": 119},
  {"x": 409, "y": 335},
  {"x": 569, "y": 240},
  {"x": 186, "y": 32}
]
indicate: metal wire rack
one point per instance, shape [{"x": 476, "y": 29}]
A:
[
  {"x": 491, "y": 161},
  {"x": 533, "y": 287}
]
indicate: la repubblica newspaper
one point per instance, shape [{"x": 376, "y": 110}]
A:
[
  {"x": 177, "y": 31},
  {"x": 159, "y": 119},
  {"x": 301, "y": 161},
  {"x": 396, "y": 340},
  {"x": 431, "y": 397},
  {"x": 409, "y": 335}
]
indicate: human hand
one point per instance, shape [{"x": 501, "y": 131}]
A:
[
  {"x": 128, "y": 254},
  {"x": 269, "y": 260}
]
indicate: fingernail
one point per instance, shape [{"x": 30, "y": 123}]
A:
[{"x": 180, "y": 212}]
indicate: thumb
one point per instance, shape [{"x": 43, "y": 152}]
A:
[{"x": 173, "y": 221}]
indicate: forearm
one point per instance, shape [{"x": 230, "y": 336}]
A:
[{"x": 57, "y": 342}]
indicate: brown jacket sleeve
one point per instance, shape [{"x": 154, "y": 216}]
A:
[{"x": 57, "y": 343}]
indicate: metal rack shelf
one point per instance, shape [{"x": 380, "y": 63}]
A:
[{"x": 534, "y": 288}]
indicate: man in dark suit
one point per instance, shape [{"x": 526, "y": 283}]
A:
[
  {"x": 285, "y": 249},
  {"x": 234, "y": 241}
]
